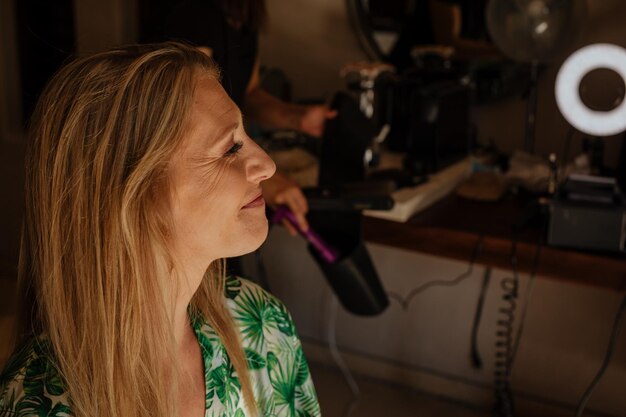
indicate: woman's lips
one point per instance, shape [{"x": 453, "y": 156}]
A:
[{"x": 259, "y": 201}]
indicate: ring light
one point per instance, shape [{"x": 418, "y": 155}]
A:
[{"x": 579, "y": 64}]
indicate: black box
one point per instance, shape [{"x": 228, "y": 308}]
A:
[{"x": 588, "y": 213}]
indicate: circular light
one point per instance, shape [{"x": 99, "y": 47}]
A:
[{"x": 579, "y": 64}]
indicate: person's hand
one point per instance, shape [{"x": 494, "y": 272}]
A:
[
  {"x": 314, "y": 119},
  {"x": 281, "y": 190}
]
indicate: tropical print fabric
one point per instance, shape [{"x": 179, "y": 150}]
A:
[{"x": 30, "y": 385}]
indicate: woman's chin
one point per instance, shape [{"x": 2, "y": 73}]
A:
[{"x": 253, "y": 239}]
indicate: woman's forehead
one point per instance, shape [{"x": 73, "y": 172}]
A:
[
  {"x": 212, "y": 112},
  {"x": 211, "y": 104}
]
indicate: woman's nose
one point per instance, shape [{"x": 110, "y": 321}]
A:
[{"x": 259, "y": 166}]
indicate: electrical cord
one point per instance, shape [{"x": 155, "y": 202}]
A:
[
  {"x": 507, "y": 345},
  {"x": 529, "y": 289},
  {"x": 334, "y": 351},
  {"x": 607, "y": 358},
  {"x": 477, "y": 361},
  {"x": 406, "y": 301},
  {"x": 504, "y": 337}
]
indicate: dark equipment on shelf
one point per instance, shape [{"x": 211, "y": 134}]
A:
[
  {"x": 429, "y": 118},
  {"x": 346, "y": 139},
  {"x": 427, "y": 107},
  {"x": 588, "y": 213}
]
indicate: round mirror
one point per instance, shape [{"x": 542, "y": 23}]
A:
[
  {"x": 399, "y": 31},
  {"x": 378, "y": 24}
]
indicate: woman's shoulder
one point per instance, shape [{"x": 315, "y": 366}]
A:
[
  {"x": 274, "y": 352},
  {"x": 256, "y": 310},
  {"x": 236, "y": 286},
  {"x": 30, "y": 383},
  {"x": 248, "y": 295}
]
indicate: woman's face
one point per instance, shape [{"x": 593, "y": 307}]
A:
[{"x": 215, "y": 177}]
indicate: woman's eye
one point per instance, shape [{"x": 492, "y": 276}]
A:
[{"x": 234, "y": 149}]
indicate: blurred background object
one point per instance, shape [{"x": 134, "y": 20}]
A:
[{"x": 534, "y": 30}]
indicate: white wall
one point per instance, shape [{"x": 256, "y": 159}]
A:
[{"x": 428, "y": 346}]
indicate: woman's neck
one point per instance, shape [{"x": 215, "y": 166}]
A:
[{"x": 187, "y": 283}]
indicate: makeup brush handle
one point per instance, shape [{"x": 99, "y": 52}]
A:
[{"x": 327, "y": 252}]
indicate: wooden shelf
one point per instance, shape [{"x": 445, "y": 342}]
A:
[{"x": 451, "y": 228}]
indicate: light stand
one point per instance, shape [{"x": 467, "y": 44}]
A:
[{"x": 531, "y": 109}]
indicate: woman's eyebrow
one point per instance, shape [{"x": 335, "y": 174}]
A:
[
  {"x": 223, "y": 134},
  {"x": 226, "y": 131}
]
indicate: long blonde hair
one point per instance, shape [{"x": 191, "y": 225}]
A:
[{"x": 95, "y": 246}]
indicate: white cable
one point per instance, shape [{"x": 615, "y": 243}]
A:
[
  {"x": 334, "y": 351},
  {"x": 520, "y": 329}
]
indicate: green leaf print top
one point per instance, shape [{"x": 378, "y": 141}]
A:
[{"x": 31, "y": 386}]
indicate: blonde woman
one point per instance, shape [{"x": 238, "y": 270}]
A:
[{"x": 140, "y": 180}]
